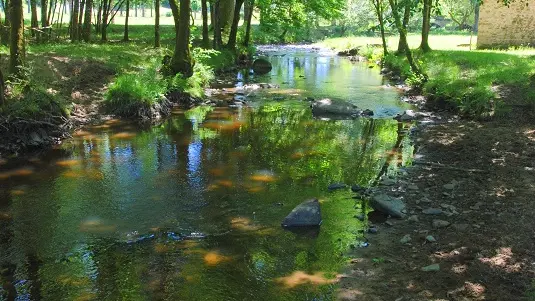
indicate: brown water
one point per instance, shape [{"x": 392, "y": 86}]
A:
[{"x": 191, "y": 209}]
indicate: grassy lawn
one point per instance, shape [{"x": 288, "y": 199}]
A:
[{"x": 478, "y": 83}]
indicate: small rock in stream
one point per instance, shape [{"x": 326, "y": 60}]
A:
[
  {"x": 413, "y": 219},
  {"x": 432, "y": 211},
  {"x": 430, "y": 238},
  {"x": 438, "y": 223},
  {"x": 305, "y": 214},
  {"x": 388, "y": 205},
  {"x": 406, "y": 239},
  {"x": 431, "y": 268}
]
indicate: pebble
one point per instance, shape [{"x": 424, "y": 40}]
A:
[
  {"x": 406, "y": 239},
  {"x": 432, "y": 211},
  {"x": 413, "y": 219},
  {"x": 460, "y": 227},
  {"x": 477, "y": 206},
  {"x": 388, "y": 182},
  {"x": 372, "y": 230},
  {"x": 431, "y": 268},
  {"x": 413, "y": 187},
  {"x": 449, "y": 186},
  {"x": 430, "y": 238},
  {"x": 360, "y": 217},
  {"x": 389, "y": 223},
  {"x": 438, "y": 223}
]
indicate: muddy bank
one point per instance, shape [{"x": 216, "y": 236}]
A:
[{"x": 467, "y": 233}]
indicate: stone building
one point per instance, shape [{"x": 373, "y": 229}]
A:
[{"x": 502, "y": 26}]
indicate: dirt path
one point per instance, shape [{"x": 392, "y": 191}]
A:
[{"x": 487, "y": 252}]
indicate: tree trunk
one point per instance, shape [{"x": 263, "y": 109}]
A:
[
  {"x": 182, "y": 61},
  {"x": 98, "y": 26},
  {"x": 231, "y": 44},
  {"x": 5, "y": 27},
  {"x": 105, "y": 11},
  {"x": 403, "y": 35},
  {"x": 406, "y": 19},
  {"x": 379, "y": 11},
  {"x": 34, "y": 23},
  {"x": 426, "y": 25},
  {"x": 249, "y": 4},
  {"x": 74, "y": 21},
  {"x": 205, "y": 37},
  {"x": 476, "y": 17},
  {"x": 2, "y": 89},
  {"x": 157, "y": 24},
  {"x": 87, "y": 21},
  {"x": 217, "y": 26},
  {"x": 125, "y": 38},
  {"x": 16, "y": 49},
  {"x": 44, "y": 13}
]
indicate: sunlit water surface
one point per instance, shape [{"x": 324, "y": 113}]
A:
[{"x": 191, "y": 209}]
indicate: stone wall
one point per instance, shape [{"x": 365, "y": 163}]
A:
[{"x": 500, "y": 25}]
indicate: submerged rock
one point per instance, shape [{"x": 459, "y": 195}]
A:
[
  {"x": 262, "y": 66},
  {"x": 438, "y": 223},
  {"x": 306, "y": 214},
  {"x": 332, "y": 107},
  {"x": 407, "y": 116},
  {"x": 388, "y": 205},
  {"x": 431, "y": 268},
  {"x": 337, "y": 186}
]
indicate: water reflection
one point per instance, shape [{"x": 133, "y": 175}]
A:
[{"x": 190, "y": 209}]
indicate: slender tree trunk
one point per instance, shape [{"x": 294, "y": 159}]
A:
[
  {"x": 16, "y": 49},
  {"x": 403, "y": 35},
  {"x": 231, "y": 44},
  {"x": 136, "y": 6},
  {"x": 5, "y": 33},
  {"x": 249, "y": 4},
  {"x": 379, "y": 11},
  {"x": 157, "y": 24},
  {"x": 44, "y": 13},
  {"x": 205, "y": 37},
  {"x": 426, "y": 25},
  {"x": 98, "y": 26},
  {"x": 34, "y": 23},
  {"x": 217, "y": 25},
  {"x": 74, "y": 21},
  {"x": 125, "y": 38},
  {"x": 87, "y": 20},
  {"x": 476, "y": 17},
  {"x": 105, "y": 11},
  {"x": 406, "y": 19},
  {"x": 2, "y": 89},
  {"x": 182, "y": 62}
]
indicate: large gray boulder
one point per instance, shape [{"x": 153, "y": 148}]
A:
[
  {"x": 388, "y": 205},
  {"x": 261, "y": 66},
  {"x": 306, "y": 214},
  {"x": 334, "y": 107}
]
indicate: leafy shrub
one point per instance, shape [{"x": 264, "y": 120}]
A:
[{"x": 35, "y": 103}]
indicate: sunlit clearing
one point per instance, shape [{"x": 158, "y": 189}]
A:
[
  {"x": 65, "y": 163},
  {"x": 123, "y": 135},
  {"x": 503, "y": 259},
  {"x": 16, "y": 173},
  {"x": 214, "y": 258},
  {"x": 96, "y": 225},
  {"x": 299, "y": 278},
  {"x": 243, "y": 223}
]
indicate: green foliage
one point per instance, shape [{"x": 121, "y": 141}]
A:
[
  {"x": 35, "y": 103},
  {"x": 194, "y": 85},
  {"x": 132, "y": 91},
  {"x": 215, "y": 59}
]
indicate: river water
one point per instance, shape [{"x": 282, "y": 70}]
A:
[{"x": 191, "y": 209}]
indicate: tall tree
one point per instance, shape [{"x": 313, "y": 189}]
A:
[
  {"x": 403, "y": 35},
  {"x": 205, "y": 37},
  {"x": 125, "y": 38},
  {"x": 231, "y": 44},
  {"x": 407, "y": 4},
  {"x": 34, "y": 23},
  {"x": 87, "y": 21},
  {"x": 157, "y": 24},
  {"x": 16, "y": 47},
  {"x": 5, "y": 34},
  {"x": 249, "y": 10},
  {"x": 181, "y": 62},
  {"x": 426, "y": 25},
  {"x": 379, "y": 8},
  {"x": 218, "y": 40},
  {"x": 2, "y": 89},
  {"x": 74, "y": 21}
]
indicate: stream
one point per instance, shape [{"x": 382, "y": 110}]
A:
[{"x": 190, "y": 209}]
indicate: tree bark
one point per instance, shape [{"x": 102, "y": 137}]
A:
[
  {"x": 34, "y": 23},
  {"x": 182, "y": 62},
  {"x": 476, "y": 17},
  {"x": 426, "y": 25},
  {"x": 406, "y": 19},
  {"x": 379, "y": 11},
  {"x": 16, "y": 49},
  {"x": 4, "y": 33},
  {"x": 403, "y": 35},
  {"x": 157, "y": 24},
  {"x": 231, "y": 44},
  {"x": 74, "y": 21},
  {"x": 249, "y": 10},
  {"x": 217, "y": 25},
  {"x": 205, "y": 36},
  {"x": 2, "y": 89},
  {"x": 87, "y": 20},
  {"x": 125, "y": 38},
  {"x": 105, "y": 14}
]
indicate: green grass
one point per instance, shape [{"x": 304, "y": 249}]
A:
[
  {"x": 461, "y": 80},
  {"x": 36, "y": 104}
]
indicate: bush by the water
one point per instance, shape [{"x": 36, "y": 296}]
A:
[{"x": 35, "y": 103}]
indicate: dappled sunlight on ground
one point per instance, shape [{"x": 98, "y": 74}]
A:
[
  {"x": 503, "y": 259},
  {"x": 299, "y": 278},
  {"x": 214, "y": 258}
]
